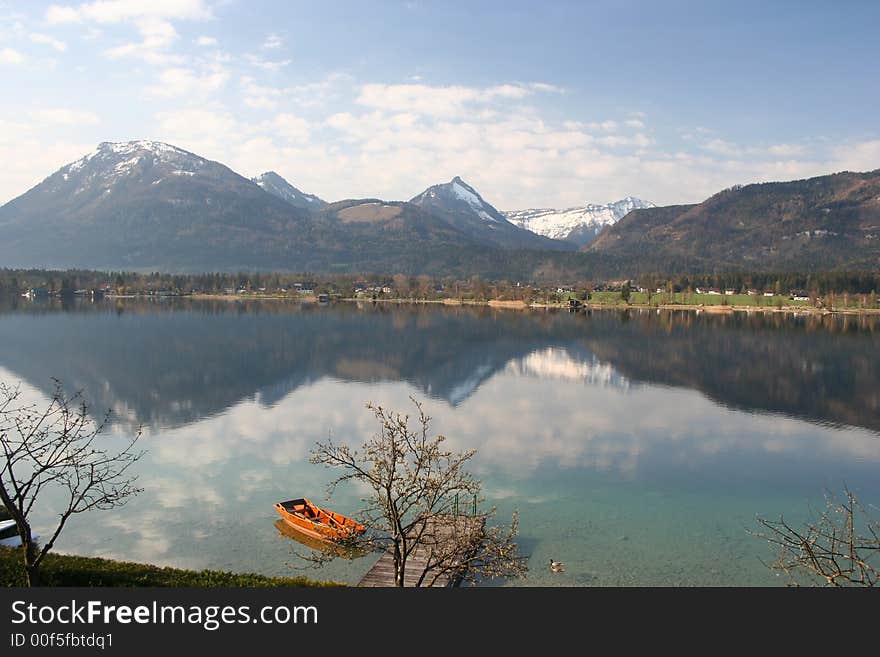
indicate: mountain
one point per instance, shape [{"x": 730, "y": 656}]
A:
[
  {"x": 278, "y": 186},
  {"x": 578, "y": 225},
  {"x": 462, "y": 207},
  {"x": 820, "y": 223},
  {"x": 149, "y": 205},
  {"x": 396, "y": 236},
  {"x": 145, "y": 204}
]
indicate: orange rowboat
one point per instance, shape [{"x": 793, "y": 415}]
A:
[{"x": 317, "y": 522}]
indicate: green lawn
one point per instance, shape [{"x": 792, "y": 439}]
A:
[
  {"x": 641, "y": 298},
  {"x": 65, "y": 570},
  {"x": 606, "y": 297}
]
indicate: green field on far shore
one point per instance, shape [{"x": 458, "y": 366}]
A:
[{"x": 682, "y": 298}]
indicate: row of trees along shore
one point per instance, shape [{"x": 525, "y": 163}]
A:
[{"x": 824, "y": 288}]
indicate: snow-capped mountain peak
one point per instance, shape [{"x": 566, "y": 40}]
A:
[
  {"x": 467, "y": 194},
  {"x": 579, "y": 225},
  {"x": 114, "y": 162},
  {"x": 108, "y": 149},
  {"x": 278, "y": 186},
  {"x": 458, "y": 192},
  {"x": 459, "y": 204}
]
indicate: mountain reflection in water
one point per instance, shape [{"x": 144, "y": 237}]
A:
[{"x": 169, "y": 364}]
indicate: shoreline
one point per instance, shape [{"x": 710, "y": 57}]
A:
[
  {"x": 718, "y": 309},
  {"x": 522, "y": 305}
]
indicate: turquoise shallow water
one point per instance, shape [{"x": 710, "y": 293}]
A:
[{"x": 637, "y": 449}]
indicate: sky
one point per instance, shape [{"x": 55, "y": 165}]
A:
[{"x": 535, "y": 104}]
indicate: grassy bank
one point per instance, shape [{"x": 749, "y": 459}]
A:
[
  {"x": 843, "y": 303},
  {"x": 67, "y": 570}
]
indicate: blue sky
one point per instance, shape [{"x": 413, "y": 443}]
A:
[{"x": 536, "y": 104}]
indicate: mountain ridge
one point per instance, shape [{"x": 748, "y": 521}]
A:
[
  {"x": 463, "y": 207},
  {"x": 579, "y": 224},
  {"x": 810, "y": 224},
  {"x": 145, "y": 205}
]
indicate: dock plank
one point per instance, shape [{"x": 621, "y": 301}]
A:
[{"x": 382, "y": 572}]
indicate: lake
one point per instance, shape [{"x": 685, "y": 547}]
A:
[{"x": 637, "y": 447}]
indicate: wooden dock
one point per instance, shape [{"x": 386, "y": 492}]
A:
[{"x": 441, "y": 531}]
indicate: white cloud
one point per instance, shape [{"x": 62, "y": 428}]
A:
[
  {"x": 178, "y": 81},
  {"x": 11, "y": 56},
  {"x": 504, "y": 91},
  {"x": 272, "y": 42},
  {"x": 57, "y": 44},
  {"x": 722, "y": 147},
  {"x": 199, "y": 121},
  {"x": 787, "y": 150},
  {"x": 258, "y": 96},
  {"x": 859, "y": 156},
  {"x": 64, "y": 116},
  {"x": 62, "y": 14},
  {"x": 519, "y": 158},
  {"x": 603, "y": 126},
  {"x": 639, "y": 140},
  {"x": 291, "y": 127},
  {"x": 118, "y": 11},
  {"x": 435, "y": 101},
  {"x": 260, "y": 102},
  {"x": 157, "y": 39},
  {"x": 730, "y": 149},
  {"x": 333, "y": 89},
  {"x": 153, "y": 20},
  {"x": 545, "y": 87},
  {"x": 265, "y": 64},
  {"x": 392, "y": 140},
  {"x": 211, "y": 133},
  {"x": 515, "y": 159},
  {"x": 35, "y": 156}
]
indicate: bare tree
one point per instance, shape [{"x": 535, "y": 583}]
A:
[
  {"x": 418, "y": 503},
  {"x": 57, "y": 447},
  {"x": 840, "y": 547}
]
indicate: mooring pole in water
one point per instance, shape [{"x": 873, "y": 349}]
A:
[
  {"x": 475, "y": 505},
  {"x": 456, "y": 504}
]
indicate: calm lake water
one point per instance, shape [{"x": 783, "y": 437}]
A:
[{"x": 637, "y": 447}]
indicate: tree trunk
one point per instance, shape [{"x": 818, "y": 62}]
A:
[
  {"x": 32, "y": 575},
  {"x": 400, "y": 573},
  {"x": 31, "y": 566},
  {"x": 399, "y": 565}
]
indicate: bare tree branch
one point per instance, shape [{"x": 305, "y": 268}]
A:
[
  {"x": 415, "y": 485},
  {"x": 839, "y": 547},
  {"x": 58, "y": 447}
]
